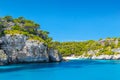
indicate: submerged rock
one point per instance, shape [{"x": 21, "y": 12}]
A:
[{"x": 19, "y": 49}]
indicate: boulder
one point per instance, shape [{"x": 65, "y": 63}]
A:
[{"x": 54, "y": 55}]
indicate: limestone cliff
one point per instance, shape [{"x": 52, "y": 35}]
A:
[
  {"x": 19, "y": 49},
  {"x": 22, "y": 41}
]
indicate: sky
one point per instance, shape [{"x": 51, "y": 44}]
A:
[{"x": 69, "y": 20}]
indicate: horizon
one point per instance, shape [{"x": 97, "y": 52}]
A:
[{"x": 69, "y": 20}]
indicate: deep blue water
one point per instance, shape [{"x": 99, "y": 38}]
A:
[{"x": 72, "y": 70}]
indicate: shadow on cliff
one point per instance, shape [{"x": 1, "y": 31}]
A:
[{"x": 69, "y": 64}]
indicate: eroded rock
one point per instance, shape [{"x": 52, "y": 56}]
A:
[
  {"x": 54, "y": 55},
  {"x": 3, "y": 58},
  {"x": 18, "y": 48}
]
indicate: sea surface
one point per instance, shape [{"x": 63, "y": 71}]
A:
[{"x": 71, "y": 70}]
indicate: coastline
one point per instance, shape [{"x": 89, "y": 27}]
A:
[{"x": 101, "y": 57}]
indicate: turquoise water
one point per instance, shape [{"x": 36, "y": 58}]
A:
[{"x": 72, "y": 70}]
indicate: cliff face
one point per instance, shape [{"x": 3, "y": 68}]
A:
[{"x": 18, "y": 49}]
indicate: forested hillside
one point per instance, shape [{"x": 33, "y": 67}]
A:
[
  {"x": 88, "y": 48},
  {"x": 20, "y": 25}
]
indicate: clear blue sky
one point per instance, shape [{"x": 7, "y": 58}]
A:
[{"x": 68, "y": 20}]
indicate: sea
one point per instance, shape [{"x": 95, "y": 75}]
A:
[{"x": 66, "y": 70}]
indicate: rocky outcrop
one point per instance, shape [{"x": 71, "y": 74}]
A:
[
  {"x": 116, "y": 50},
  {"x": 103, "y": 57},
  {"x": 18, "y": 49},
  {"x": 107, "y": 57},
  {"x": 100, "y": 57},
  {"x": 54, "y": 55},
  {"x": 3, "y": 58},
  {"x": 33, "y": 51}
]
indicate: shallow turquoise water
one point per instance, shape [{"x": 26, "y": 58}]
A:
[{"x": 72, "y": 70}]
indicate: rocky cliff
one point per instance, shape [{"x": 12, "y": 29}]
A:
[
  {"x": 19, "y": 49},
  {"x": 22, "y": 41}
]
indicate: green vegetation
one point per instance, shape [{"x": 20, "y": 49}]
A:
[
  {"x": 20, "y": 25},
  {"x": 83, "y": 48}
]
